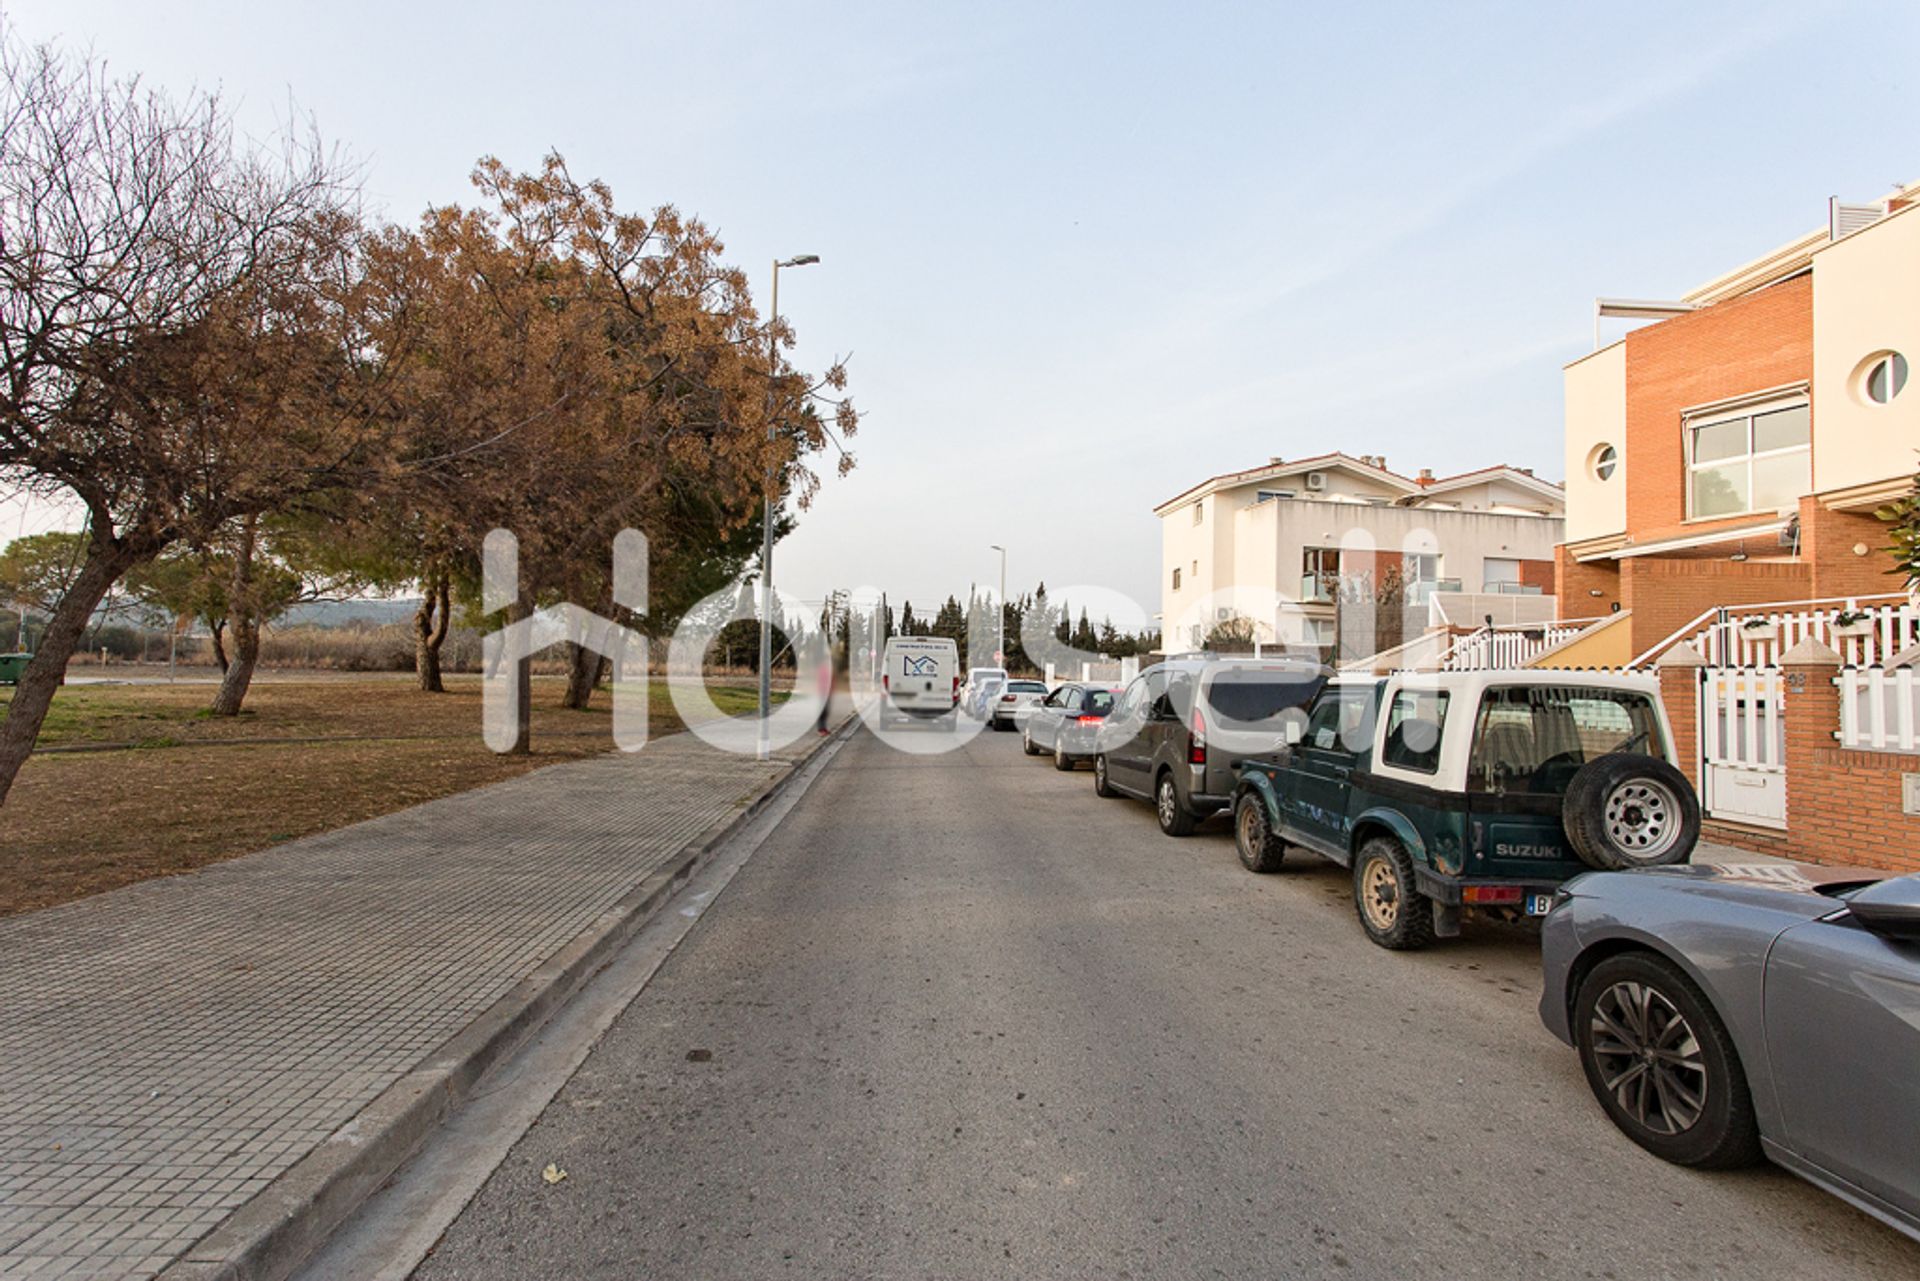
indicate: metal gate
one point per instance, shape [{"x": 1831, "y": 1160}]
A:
[{"x": 1743, "y": 746}]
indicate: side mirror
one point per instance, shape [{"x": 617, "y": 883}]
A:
[{"x": 1890, "y": 909}]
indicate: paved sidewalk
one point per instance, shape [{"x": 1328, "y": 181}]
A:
[{"x": 168, "y": 1049}]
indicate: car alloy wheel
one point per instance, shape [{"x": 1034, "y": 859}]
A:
[
  {"x": 1643, "y": 818},
  {"x": 1380, "y": 895},
  {"x": 1649, "y": 1058}
]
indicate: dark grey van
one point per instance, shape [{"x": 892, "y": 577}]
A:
[{"x": 1176, "y": 731}]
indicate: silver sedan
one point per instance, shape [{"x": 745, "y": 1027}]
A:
[{"x": 1723, "y": 1014}]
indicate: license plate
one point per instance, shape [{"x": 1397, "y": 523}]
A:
[{"x": 1539, "y": 904}]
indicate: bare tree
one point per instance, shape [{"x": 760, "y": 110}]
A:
[{"x": 182, "y": 337}]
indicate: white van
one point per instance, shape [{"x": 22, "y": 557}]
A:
[{"x": 920, "y": 677}]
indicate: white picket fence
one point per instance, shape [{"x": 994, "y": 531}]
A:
[
  {"x": 1757, "y": 635},
  {"x": 1743, "y": 745},
  {"x": 1879, "y": 709},
  {"x": 1493, "y": 648}
]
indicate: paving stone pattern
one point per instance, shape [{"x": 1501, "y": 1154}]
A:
[{"x": 168, "y": 1049}]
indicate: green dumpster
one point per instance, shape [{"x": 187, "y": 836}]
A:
[{"x": 11, "y": 667}]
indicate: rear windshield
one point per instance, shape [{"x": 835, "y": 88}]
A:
[
  {"x": 1026, "y": 687},
  {"x": 1253, "y": 696},
  {"x": 1099, "y": 701},
  {"x": 1533, "y": 739}
]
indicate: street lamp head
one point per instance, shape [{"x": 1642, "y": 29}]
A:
[
  {"x": 801, "y": 260},
  {"x": 996, "y": 547}
]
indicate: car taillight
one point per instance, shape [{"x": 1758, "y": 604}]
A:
[
  {"x": 1008, "y": 698},
  {"x": 1197, "y": 747},
  {"x": 1086, "y": 720},
  {"x": 1485, "y": 895},
  {"x": 886, "y": 683}
]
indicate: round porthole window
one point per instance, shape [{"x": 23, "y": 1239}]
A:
[
  {"x": 1886, "y": 376},
  {"x": 1603, "y": 461}
]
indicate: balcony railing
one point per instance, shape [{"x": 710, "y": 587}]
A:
[{"x": 1420, "y": 590}]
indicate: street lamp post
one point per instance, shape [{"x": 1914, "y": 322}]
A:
[
  {"x": 1001, "y": 657},
  {"x": 766, "y": 511}
]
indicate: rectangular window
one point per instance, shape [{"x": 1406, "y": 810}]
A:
[
  {"x": 1199, "y": 513},
  {"x": 1500, "y": 574},
  {"x": 1413, "y": 730},
  {"x": 1341, "y": 719},
  {"x": 1176, "y": 580},
  {"x": 1421, "y": 567},
  {"x": 1534, "y": 740},
  {"x": 1267, "y": 495},
  {"x": 1319, "y": 573},
  {"x": 1756, "y": 462}
]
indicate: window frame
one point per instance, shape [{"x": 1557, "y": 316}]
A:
[
  {"x": 1691, "y": 424},
  {"x": 1897, "y": 377},
  {"x": 1413, "y": 694}
]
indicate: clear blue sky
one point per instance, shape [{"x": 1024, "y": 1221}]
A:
[{"x": 1084, "y": 256}]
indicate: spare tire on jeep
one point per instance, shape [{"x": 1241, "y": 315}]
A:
[{"x": 1626, "y": 810}]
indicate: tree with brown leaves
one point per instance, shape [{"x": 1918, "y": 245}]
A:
[{"x": 183, "y": 341}]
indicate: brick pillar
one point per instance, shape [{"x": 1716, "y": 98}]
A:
[
  {"x": 1679, "y": 671},
  {"x": 1811, "y": 703}
]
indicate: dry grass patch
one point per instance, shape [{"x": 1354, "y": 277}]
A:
[{"x": 79, "y": 822}]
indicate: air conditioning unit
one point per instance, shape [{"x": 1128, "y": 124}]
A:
[
  {"x": 1222, "y": 614},
  {"x": 1316, "y": 481}
]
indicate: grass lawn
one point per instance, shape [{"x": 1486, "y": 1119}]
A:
[{"x": 79, "y": 822}]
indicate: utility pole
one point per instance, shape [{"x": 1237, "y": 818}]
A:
[
  {"x": 1000, "y": 659},
  {"x": 765, "y": 746}
]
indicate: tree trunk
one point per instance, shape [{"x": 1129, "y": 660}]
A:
[
  {"x": 430, "y": 624},
  {"x": 523, "y": 704},
  {"x": 585, "y": 671},
  {"x": 34, "y": 694},
  {"x": 584, "y": 667},
  {"x": 246, "y": 653},
  {"x": 218, "y": 627},
  {"x": 244, "y": 618}
]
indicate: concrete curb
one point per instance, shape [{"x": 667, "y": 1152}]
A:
[{"x": 269, "y": 1237}]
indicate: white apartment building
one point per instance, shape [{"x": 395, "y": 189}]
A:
[{"x": 1278, "y": 544}]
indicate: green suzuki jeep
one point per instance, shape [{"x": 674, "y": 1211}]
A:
[{"x": 1486, "y": 790}]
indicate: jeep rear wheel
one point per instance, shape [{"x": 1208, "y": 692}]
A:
[
  {"x": 1260, "y": 850},
  {"x": 1624, "y": 811},
  {"x": 1392, "y": 910}
]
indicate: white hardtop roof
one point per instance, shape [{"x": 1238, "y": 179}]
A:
[{"x": 1545, "y": 677}]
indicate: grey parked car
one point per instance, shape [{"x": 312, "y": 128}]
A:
[
  {"x": 1067, "y": 722},
  {"x": 1723, "y": 1014}
]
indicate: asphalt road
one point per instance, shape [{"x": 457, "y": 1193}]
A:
[{"x": 961, "y": 1018}]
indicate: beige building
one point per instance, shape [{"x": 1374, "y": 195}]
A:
[{"x": 1280, "y": 545}]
